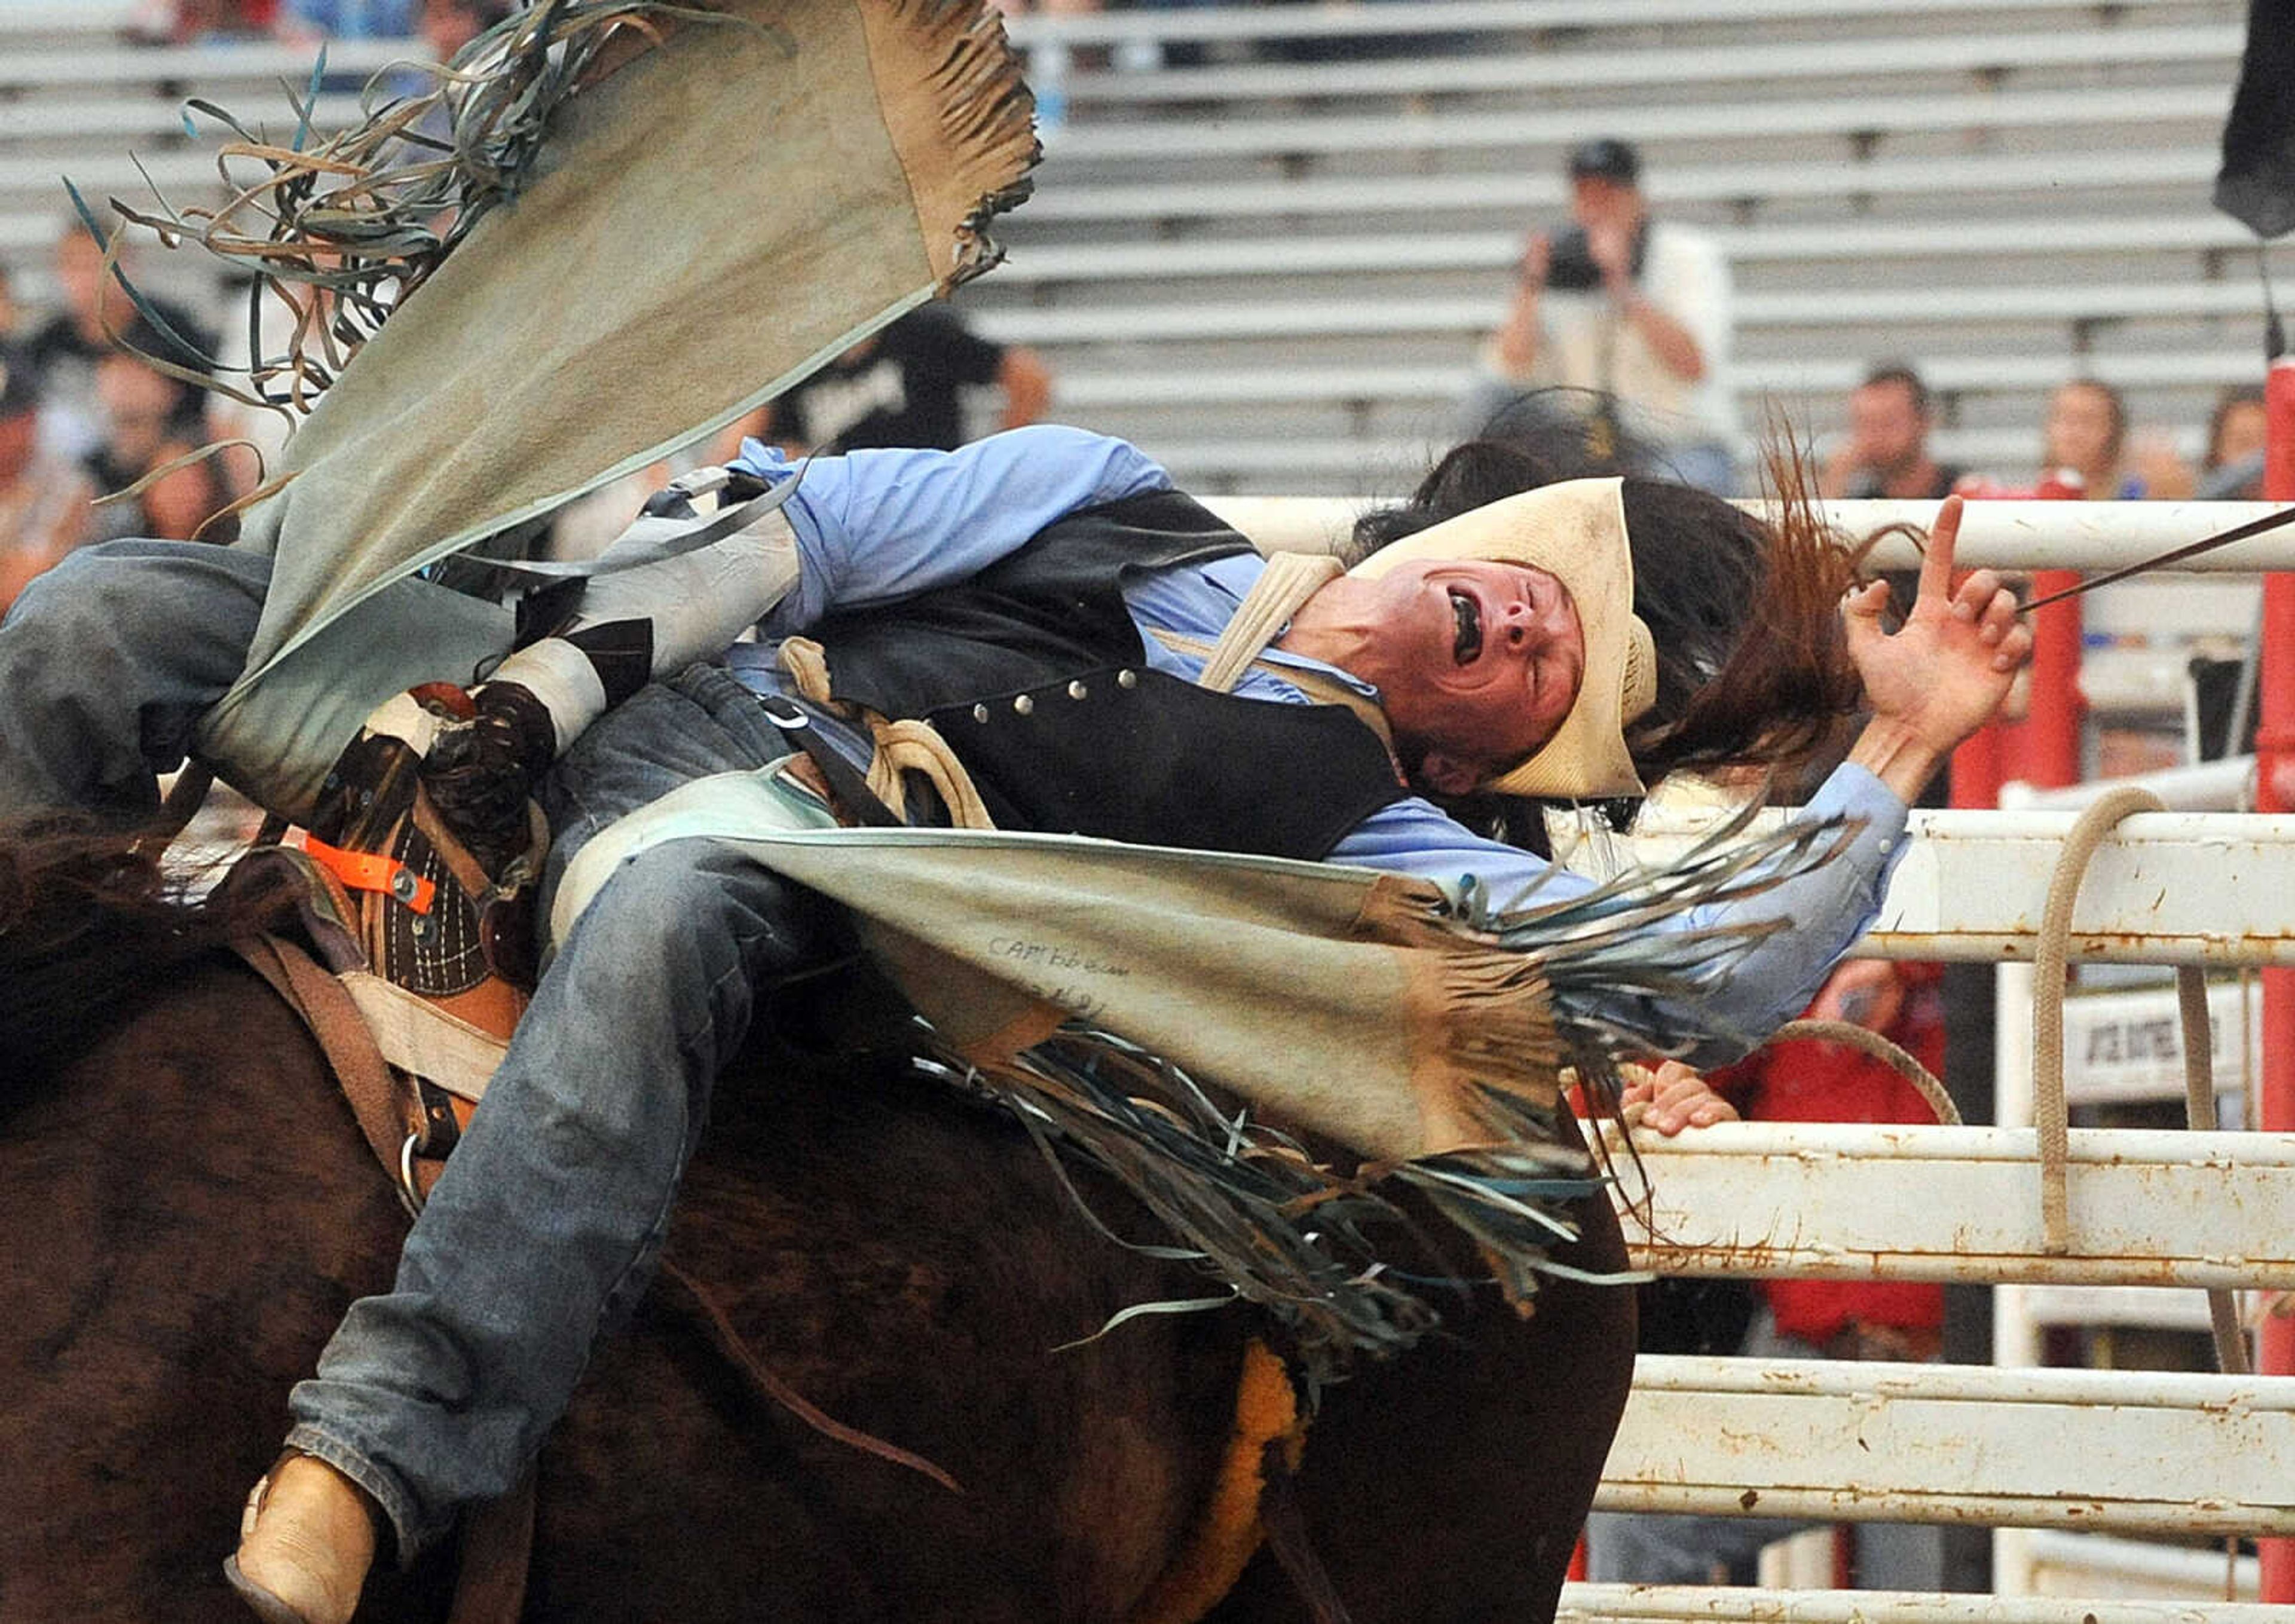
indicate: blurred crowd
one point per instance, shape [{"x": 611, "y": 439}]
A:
[
  {"x": 1627, "y": 319},
  {"x": 1616, "y": 314},
  {"x": 444, "y": 25}
]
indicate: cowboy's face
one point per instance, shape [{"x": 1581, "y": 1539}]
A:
[{"x": 1477, "y": 664}]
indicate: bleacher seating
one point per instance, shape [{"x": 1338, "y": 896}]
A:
[
  {"x": 1270, "y": 261},
  {"x": 1272, "y": 271}
]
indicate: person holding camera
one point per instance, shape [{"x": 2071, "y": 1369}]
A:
[{"x": 1633, "y": 314}]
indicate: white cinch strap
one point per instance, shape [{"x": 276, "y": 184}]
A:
[{"x": 415, "y": 1035}]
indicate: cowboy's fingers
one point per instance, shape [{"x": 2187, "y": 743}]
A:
[
  {"x": 1944, "y": 539},
  {"x": 2014, "y": 649},
  {"x": 1973, "y": 597},
  {"x": 1864, "y": 606},
  {"x": 1998, "y": 620}
]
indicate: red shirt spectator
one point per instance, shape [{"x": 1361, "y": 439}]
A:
[{"x": 1808, "y": 1081}]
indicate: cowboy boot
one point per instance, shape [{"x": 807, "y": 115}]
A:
[{"x": 305, "y": 1541}]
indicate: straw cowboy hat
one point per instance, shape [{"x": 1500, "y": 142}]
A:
[{"x": 1576, "y": 532}]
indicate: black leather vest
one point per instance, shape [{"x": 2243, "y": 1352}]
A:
[{"x": 1033, "y": 673}]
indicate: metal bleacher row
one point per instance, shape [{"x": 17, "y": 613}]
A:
[
  {"x": 1274, "y": 273},
  {"x": 1266, "y": 238}
]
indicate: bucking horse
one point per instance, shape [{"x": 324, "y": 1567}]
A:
[{"x": 189, "y": 1208}]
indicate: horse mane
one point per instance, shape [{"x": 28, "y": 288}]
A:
[{"x": 90, "y": 923}]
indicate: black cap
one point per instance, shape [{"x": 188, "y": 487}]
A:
[
  {"x": 20, "y": 387},
  {"x": 1606, "y": 160}
]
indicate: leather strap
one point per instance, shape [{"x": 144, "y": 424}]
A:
[
  {"x": 851, "y": 791},
  {"x": 374, "y": 1096},
  {"x": 497, "y": 1559},
  {"x": 416, "y": 1035}
]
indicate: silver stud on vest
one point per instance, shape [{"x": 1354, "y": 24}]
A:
[
  {"x": 1076, "y": 690},
  {"x": 980, "y": 713},
  {"x": 1023, "y": 705},
  {"x": 1127, "y": 678}
]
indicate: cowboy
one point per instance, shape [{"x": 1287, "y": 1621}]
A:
[{"x": 1566, "y": 642}]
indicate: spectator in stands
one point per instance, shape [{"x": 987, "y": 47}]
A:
[
  {"x": 2087, "y": 443},
  {"x": 446, "y": 26},
  {"x": 905, "y": 386},
  {"x": 1636, "y": 311},
  {"x": 142, "y": 413},
  {"x": 43, "y": 511},
  {"x": 2236, "y": 431},
  {"x": 192, "y": 22},
  {"x": 65, "y": 349},
  {"x": 1886, "y": 451},
  {"x": 1051, "y": 61},
  {"x": 347, "y": 20}
]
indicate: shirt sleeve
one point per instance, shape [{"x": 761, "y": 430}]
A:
[
  {"x": 1824, "y": 910},
  {"x": 876, "y": 525}
]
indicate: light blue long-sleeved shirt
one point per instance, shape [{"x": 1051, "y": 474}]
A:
[{"x": 876, "y": 525}]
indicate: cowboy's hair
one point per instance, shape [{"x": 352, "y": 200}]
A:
[{"x": 1752, "y": 664}]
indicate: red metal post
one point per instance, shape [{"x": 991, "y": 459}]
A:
[
  {"x": 2045, "y": 750},
  {"x": 2274, "y": 791},
  {"x": 1976, "y": 771}
]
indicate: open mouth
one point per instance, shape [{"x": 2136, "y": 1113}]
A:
[{"x": 1468, "y": 614}]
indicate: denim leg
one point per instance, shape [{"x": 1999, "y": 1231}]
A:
[
  {"x": 699, "y": 722},
  {"x": 551, "y": 1210},
  {"x": 105, "y": 662}
]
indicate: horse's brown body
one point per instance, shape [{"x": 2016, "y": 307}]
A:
[{"x": 188, "y": 1209}]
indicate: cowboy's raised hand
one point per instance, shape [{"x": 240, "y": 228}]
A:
[{"x": 1944, "y": 672}]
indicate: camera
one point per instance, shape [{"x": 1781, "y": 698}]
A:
[{"x": 1569, "y": 266}]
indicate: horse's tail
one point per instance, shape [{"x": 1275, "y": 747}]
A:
[{"x": 89, "y": 924}]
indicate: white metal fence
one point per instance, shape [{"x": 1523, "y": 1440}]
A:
[{"x": 2005, "y": 1445}]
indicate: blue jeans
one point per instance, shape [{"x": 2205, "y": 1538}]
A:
[
  {"x": 546, "y": 1224},
  {"x": 108, "y": 659}
]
